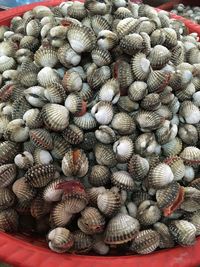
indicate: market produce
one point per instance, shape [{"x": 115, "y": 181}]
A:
[{"x": 100, "y": 128}]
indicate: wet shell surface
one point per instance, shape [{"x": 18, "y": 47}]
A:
[{"x": 100, "y": 127}]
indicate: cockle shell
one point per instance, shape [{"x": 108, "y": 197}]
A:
[
  {"x": 42, "y": 156},
  {"x": 24, "y": 160},
  {"x": 140, "y": 66},
  {"x": 75, "y": 163},
  {"x": 161, "y": 176},
  {"x": 110, "y": 91},
  {"x": 55, "y": 117},
  {"x": 40, "y": 175},
  {"x": 105, "y": 155},
  {"x": 189, "y": 112},
  {"x": 148, "y": 120},
  {"x": 39, "y": 207},
  {"x": 183, "y": 232},
  {"x": 7, "y": 198},
  {"x": 159, "y": 56},
  {"x": 60, "y": 240},
  {"x": 177, "y": 166},
  {"x": 82, "y": 242},
  {"x": 85, "y": 122},
  {"x": 122, "y": 180},
  {"x": 46, "y": 57},
  {"x": 51, "y": 193},
  {"x": 138, "y": 167},
  {"x": 75, "y": 104},
  {"x": 148, "y": 213},
  {"x": 72, "y": 82},
  {"x": 91, "y": 221},
  {"x": 33, "y": 118},
  {"x": 170, "y": 198},
  {"x": 23, "y": 191},
  {"x": 59, "y": 216},
  {"x": 101, "y": 57},
  {"x": 109, "y": 203},
  {"x": 41, "y": 138},
  {"x": 151, "y": 102},
  {"x": 123, "y": 123},
  {"x": 166, "y": 240},
  {"x": 16, "y": 131},
  {"x": 173, "y": 147},
  {"x": 106, "y": 39},
  {"x": 123, "y": 149},
  {"x": 60, "y": 146},
  {"x": 9, "y": 220},
  {"x": 99, "y": 176},
  {"x": 8, "y": 151},
  {"x": 157, "y": 80},
  {"x": 46, "y": 76},
  {"x": 103, "y": 112},
  {"x": 100, "y": 8},
  {"x": 73, "y": 134},
  {"x": 121, "y": 229},
  {"x": 105, "y": 134},
  {"x": 145, "y": 242},
  {"x": 35, "y": 96},
  {"x": 77, "y": 10},
  {"x": 8, "y": 173},
  {"x": 191, "y": 155},
  {"x": 93, "y": 194},
  {"x": 81, "y": 39},
  {"x": 137, "y": 90},
  {"x": 67, "y": 56}
]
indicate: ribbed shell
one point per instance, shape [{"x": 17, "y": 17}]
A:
[
  {"x": 138, "y": 167},
  {"x": 159, "y": 56},
  {"x": 91, "y": 221},
  {"x": 191, "y": 155},
  {"x": 59, "y": 216},
  {"x": 148, "y": 213},
  {"x": 39, "y": 207},
  {"x": 145, "y": 242},
  {"x": 85, "y": 122},
  {"x": 177, "y": 166},
  {"x": 40, "y": 175},
  {"x": 23, "y": 191},
  {"x": 140, "y": 66},
  {"x": 93, "y": 194},
  {"x": 60, "y": 146},
  {"x": 81, "y": 39},
  {"x": 9, "y": 220},
  {"x": 105, "y": 155},
  {"x": 75, "y": 163},
  {"x": 8, "y": 151},
  {"x": 148, "y": 121},
  {"x": 46, "y": 57},
  {"x": 73, "y": 134},
  {"x": 41, "y": 138},
  {"x": 60, "y": 240},
  {"x": 33, "y": 118},
  {"x": 99, "y": 176},
  {"x": 157, "y": 81},
  {"x": 105, "y": 134},
  {"x": 123, "y": 180},
  {"x": 109, "y": 203},
  {"x": 173, "y": 147},
  {"x": 103, "y": 112},
  {"x": 183, "y": 232},
  {"x": 7, "y": 198},
  {"x": 8, "y": 173},
  {"x": 55, "y": 93},
  {"x": 132, "y": 43},
  {"x": 82, "y": 243},
  {"x": 121, "y": 229},
  {"x": 123, "y": 123},
  {"x": 51, "y": 193},
  {"x": 55, "y": 117},
  {"x": 101, "y": 57}
]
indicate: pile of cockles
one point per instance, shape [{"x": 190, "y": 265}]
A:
[
  {"x": 100, "y": 128},
  {"x": 190, "y": 12}
]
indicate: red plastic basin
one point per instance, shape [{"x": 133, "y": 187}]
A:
[{"x": 22, "y": 251}]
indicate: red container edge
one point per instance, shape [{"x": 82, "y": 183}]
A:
[{"x": 24, "y": 253}]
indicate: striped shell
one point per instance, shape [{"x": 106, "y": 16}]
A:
[{"x": 8, "y": 173}]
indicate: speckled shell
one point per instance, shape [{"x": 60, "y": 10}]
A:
[
  {"x": 73, "y": 134},
  {"x": 23, "y": 191},
  {"x": 99, "y": 176},
  {"x": 121, "y": 229},
  {"x": 82, "y": 242},
  {"x": 8, "y": 173},
  {"x": 40, "y": 175},
  {"x": 60, "y": 240},
  {"x": 109, "y": 203},
  {"x": 75, "y": 163},
  {"x": 91, "y": 221},
  {"x": 145, "y": 242},
  {"x": 9, "y": 220},
  {"x": 183, "y": 232},
  {"x": 122, "y": 180}
]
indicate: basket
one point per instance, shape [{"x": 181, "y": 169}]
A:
[{"x": 24, "y": 251}]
